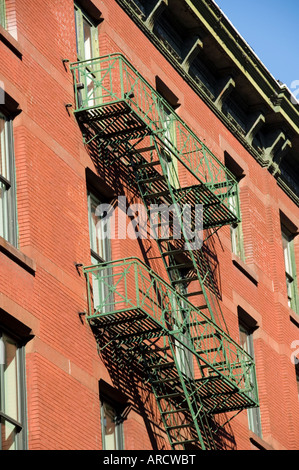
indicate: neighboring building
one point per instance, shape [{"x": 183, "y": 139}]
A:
[{"x": 108, "y": 340}]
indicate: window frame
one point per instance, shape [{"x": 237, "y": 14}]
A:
[
  {"x": 20, "y": 424},
  {"x": 119, "y": 419},
  {"x": 80, "y": 17},
  {"x": 290, "y": 268},
  {"x": 88, "y": 94},
  {"x": 103, "y": 292},
  {"x": 107, "y": 241},
  {"x": 236, "y": 231},
  {"x": 253, "y": 414},
  {"x": 168, "y": 120},
  {"x": 3, "y": 19},
  {"x": 9, "y": 226},
  {"x": 234, "y": 204}
]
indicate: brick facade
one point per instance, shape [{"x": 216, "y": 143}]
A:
[{"x": 40, "y": 286}]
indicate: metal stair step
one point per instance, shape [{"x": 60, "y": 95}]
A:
[
  {"x": 171, "y": 379},
  {"x": 169, "y": 237},
  {"x": 174, "y": 252},
  {"x": 144, "y": 149},
  {"x": 185, "y": 280},
  {"x": 160, "y": 349},
  {"x": 192, "y": 294},
  {"x": 178, "y": 410},
  {"x": 219, "y": 366},
  {"x": 202, "y": 322},
  {"x": 148, "y": 164},
  {"x": 128, "y": 130},
  {"x": 179, "y": 426},
  {"x": 163, "y": 365},
  {"x": 153, "y": 179},
  {"x": 181, "y": 266},
  {"x": 208, "y": 350},
  {"x": 184, "y": 442},
  {"x": 157, "y": 210},
  {"x": 170, "y": 395},
  {"x": 156, "y": 195},
  {"x": 211, "y": 335}
]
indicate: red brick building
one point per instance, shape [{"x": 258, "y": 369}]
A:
[{"x": 167, "y": 345}]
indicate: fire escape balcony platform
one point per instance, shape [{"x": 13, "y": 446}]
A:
[
  {"x": 127, "y": 325},
  {"x": 113, "y": 122},
  {"x": 136, "y": 308}
]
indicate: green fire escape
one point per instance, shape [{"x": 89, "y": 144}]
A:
[{"x": 171, "y": 332}]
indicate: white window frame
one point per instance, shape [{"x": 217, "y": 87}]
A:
[
  {"x": 290, "y": 268},
  {"x": 100, "y": 256},
  {"x": 118, "y": 421},
  {"x": 88, "y": 94},
  {"x": 3, "y": 19},
  {"x": 8, "y": 209}
]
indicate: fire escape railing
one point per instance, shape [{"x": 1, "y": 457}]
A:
[{"x": 110, "y": 81}]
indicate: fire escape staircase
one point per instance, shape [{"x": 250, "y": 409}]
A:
[
  {"x": 120, "y": 111},
  {"x": 195, "y": 369}
]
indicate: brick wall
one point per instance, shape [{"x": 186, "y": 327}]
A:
[{"x": 63, "y": 366}]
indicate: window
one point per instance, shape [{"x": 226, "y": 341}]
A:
[
  {"x": 3, "y": 13},
  {"x": 8, "y": 223},
  {"x": 100, "y": 244},
  {"x": 8, "y": 21},
  {"x": 236, "y": 231},
  {"x": 99, "y": 228},
  {"x": 112, "y": 426},
  {"x": 169, "y": 136},
  {"x": 290, "y": 268},
  {"x": 87, "y": 42},
  {"x": 12, "y": 394},
  {"x": 246, "y": 342}
]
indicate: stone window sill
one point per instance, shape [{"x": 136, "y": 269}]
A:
[
  {"x": 246, "y": 270},
  {"x": 259, "y": 442},
  {"x": 17, "y": 256},
  {"x": 294, "y": 317},
  {"x": 11, "y": 42}
]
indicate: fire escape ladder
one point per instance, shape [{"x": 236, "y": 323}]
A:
[
  {"x": 179, "y": 403},
  {"x": 179, "y": 242}
]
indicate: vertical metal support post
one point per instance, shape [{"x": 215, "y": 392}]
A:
[{"x": 121, "y": 70}]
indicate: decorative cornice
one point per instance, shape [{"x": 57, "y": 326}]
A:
[
  {"x": 276, "y": 97},
  {"x": 286, "y": 188}
]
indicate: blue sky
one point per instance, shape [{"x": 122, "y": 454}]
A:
[{"x": 271, "y": 29}]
